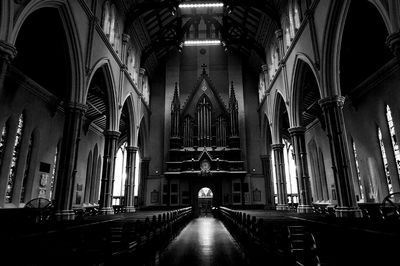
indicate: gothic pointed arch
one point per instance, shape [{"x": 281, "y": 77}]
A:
[
  {"x": 68, "y": 29},
  {"x": 100, "y": 99},
  {"x": 305, "y": 93}
]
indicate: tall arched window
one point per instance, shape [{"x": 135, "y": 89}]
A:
[
  {"x": 89, "y": 165},
  {"x": 296, "y": 16},
  {"x": 290, "y": 171},
  {"x": 393, "y": 138},
  {"x": 120, "y": 175},
  {"x": 53, "y": 173},
  {"x": 106, "y": 18},
  {"x": 14, "y": 161},
  {"x": 112, "y": 23},
  {"x": 26, "y": 172},
  {"x": 384, "y": 161},
  {"x": 3, "y": 140},
  {"x": 287, "y": 37},
  {"x": 291, "y": 23},
  {"x": 359, "y": 181}
]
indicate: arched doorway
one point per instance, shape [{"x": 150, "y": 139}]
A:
[{"x": 205, "y": 201}]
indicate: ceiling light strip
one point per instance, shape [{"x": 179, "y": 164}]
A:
[
  {"x": 200, "y": 5},
  {"x": 201, "y": 42}
]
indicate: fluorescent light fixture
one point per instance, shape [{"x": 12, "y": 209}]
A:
[
  {"x": 201, "y": 42},
  {"x": 200, "y": 5}
]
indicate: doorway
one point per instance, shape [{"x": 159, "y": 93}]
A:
[{"x": 205, "y": 201}]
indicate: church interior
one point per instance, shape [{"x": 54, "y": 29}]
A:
[{"x": 180, "y": 132}]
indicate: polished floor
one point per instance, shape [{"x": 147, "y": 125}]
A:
[{"x": 204, "y": 241}]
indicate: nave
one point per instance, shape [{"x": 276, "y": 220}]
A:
[{"x": 224, "y": 237}]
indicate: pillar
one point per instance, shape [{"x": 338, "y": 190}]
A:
[
  {"x": 144, "y": 173},
  {"x": 303, "y": 178},
  {"x": 130, "y": 180},
  {"x": 7, "y": 53},
  {"x": 280, "y": 176},
  {"x": 393, "y": 42},
  {"x": 142, "y": 72},
  {"x": 264, "y": 69},
  {"x": 68, "y": 161},
  {"x": 333, "y": 113},
  {"x": 107, "y": 180},
  {"x": 267, "y": 172}
]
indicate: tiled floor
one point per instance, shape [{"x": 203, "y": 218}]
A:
[{"x": 204, "y": 241}]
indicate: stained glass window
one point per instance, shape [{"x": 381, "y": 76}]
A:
[
  {"x": 358, "y": 171},
  {"x": 106, "y": 18},
  {"x": 26, "y": 172},
  {"x": 14, "y": 160},
  {"x": 288, "y": 39},
  {"x": 3, "y": 140},
  {"x": 53, "y": 174},
  {"x": 393, "y": 138},
  {"x": 385, "y": 162},
  {"x": 296, "y": 17}
]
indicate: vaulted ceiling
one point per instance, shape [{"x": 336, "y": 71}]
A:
[{"x": 243, "y": 26}]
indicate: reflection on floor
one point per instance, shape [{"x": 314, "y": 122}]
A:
[{"x": 204, "y": 241}]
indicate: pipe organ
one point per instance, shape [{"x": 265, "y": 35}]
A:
[{"x": 204, "y": 125}]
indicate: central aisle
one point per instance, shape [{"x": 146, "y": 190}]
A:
[{"x": 204, "y": 241}]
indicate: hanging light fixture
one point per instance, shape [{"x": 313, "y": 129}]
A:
[
  {"x": 202, "y": 42},
  {"x": 201, "y": 5}
]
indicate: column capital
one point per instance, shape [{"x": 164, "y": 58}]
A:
[
  {"x": 277, "y": 146},
  {"x": 142, "y": 71},
  {"x": 265, "y": 156},
  {"x": 146, "y": 160},
  {"x": 132, "y": 149},
  {"x": 297, "y": 130},
  {"x": 112, "y": 134},
  {"x": 279, "y": 33},
  {"x": 339, "y": 100},
  {"x": 264, "y": 68},
  {"x": 125, "y": 38},
  {"x": 7, "y": 51},
  {"x": 73, "y": 106},
  {"x": 393, "y": 42}
]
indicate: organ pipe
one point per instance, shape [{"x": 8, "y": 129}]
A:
[
  {"x": 233, "y": 111},
  {"x": 175, "y": 113}
]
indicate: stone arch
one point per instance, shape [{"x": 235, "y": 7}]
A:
[
  {"x": 142, "y": 137},
  {"x": 103, "y": 65},
  {"x": 336, "y": 20},
  {"x": 266, "y": 136},
  {"x": 278, "y": 108},
  {"x": 303, "y": 67},
  {"x": 384, "y": 14},
  {"x": 128, "y": 109},
  {"x": 72, "y": 37}
]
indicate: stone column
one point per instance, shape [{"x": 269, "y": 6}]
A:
[
  {"x": 68, "y": 161},
  {"x": 125, "y": 40},
  {"x": 130, "y": 180},
  {"x": 7, "y": 53},
  {"x": 144, "y": 173},
  {"x": 264, "y": 69},
  {"x": 279, "y": 37},
  {"x": 107, "y": 180},
  {"x": 333, "y": 112},
  {"x": 303, "y": 178},
  {"x": 267, "y": 172},
  {"x": 393, "y": 42},
  {"x": 142, "y": 72},
  {"x": 280, "y": 176}
]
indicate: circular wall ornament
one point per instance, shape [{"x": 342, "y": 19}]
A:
[{"x": 203, "y": 51}]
